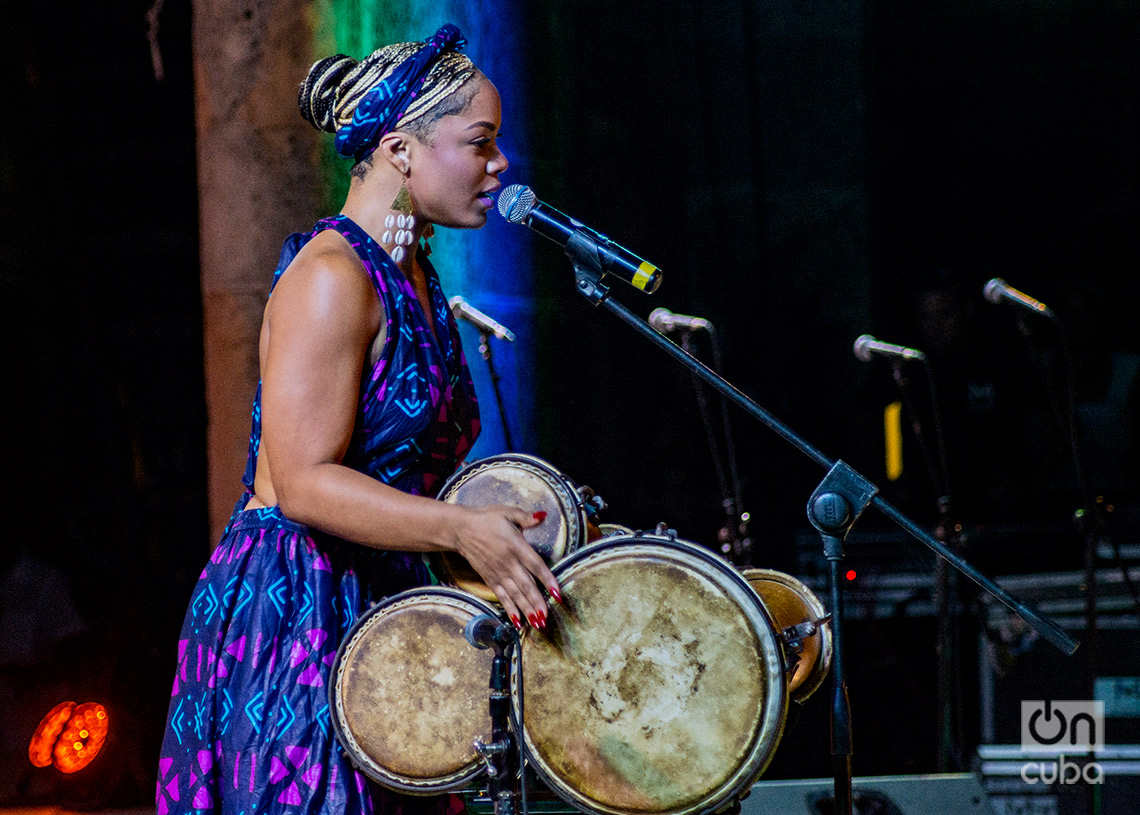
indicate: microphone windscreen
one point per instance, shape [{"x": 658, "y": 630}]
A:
[
  {"x": 516, "y": 202},
  {"x": 862, "y": 349},
  {"x": 993, "y": 290}
]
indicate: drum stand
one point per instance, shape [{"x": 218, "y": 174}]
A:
[
  {"x": 833, "y": 507},
  {"x": 501, "y": 755}
]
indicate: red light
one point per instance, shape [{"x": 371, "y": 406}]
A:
[
  {"x": 44, "y": 739},
  {"x": 69, "y": 736},
  {"x": 850, "y": 574}
]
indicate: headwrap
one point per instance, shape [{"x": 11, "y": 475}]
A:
[{"x": 387, "y": 101}]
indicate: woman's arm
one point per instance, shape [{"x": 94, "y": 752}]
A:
[{"x": 320, "y": 322}]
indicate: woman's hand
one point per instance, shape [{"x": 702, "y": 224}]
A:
[{"x": 490, "y": 539}]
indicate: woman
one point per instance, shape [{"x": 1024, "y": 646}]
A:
[{"x": 364, "y": 408}]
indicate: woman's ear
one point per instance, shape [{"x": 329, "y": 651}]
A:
[{"x": 395, "y": 148}]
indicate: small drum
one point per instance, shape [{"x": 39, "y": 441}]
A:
[
  {"x": 522, "y": 481},
  {"x": 657, "y": 685},
  {"x": 791, "y": 603},
  {"x": 410, "y": 695}
]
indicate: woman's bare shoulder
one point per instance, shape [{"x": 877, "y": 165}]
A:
[{"x": 326, "y": 279}]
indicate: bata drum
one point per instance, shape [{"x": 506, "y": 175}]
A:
[
  {"x": 657, "y": 685},
  {"x": 532, "y": 485},
  {"x": 801, "y": 622},
  {"x": 410, "y": 695}
]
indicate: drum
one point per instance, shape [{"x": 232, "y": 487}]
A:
[
  {"x": 791, "y": 603},
  {"x": 610, "y": 531},
  {"x": 410, "y": 695},
  {"x": 657, "y": 685},
  {"x": 522, "y": 481}
]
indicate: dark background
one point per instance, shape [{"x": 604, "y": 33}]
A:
[{"x": 800, "y": 172}]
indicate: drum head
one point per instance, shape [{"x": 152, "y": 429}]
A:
[
  {"x": 518, "y": 481},
  {"x": 410, "y": 694},
  {"x": 790, "y": 603},
  {"x": 656, "y": 687}
]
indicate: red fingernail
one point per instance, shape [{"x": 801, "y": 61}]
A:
[
  {"x": 516, "y": 622},
  {"x": 541, "y": 619},
  {"x": 540, "y": 516},
  {"x": 555, "y": 593},
  {"x": 533, "y": 620}
]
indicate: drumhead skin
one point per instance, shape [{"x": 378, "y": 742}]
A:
[
  {"x": 657, "y": 685},
  {"x": 520, "y": 481},
  {"x": 790, "y": 602},
  {"x": 410, "y": 695}
]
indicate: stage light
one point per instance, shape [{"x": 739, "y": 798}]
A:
[{"x": 69, "y": 736}]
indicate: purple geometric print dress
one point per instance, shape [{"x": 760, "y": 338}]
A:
[{"x": 248, "y": 730}]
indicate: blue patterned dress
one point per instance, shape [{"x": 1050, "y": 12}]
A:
[{"x": 248, "y": 729}]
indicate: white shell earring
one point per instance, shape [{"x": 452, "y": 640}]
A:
[{"x": 399, "y": 229}]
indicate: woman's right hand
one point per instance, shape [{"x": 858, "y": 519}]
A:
[{"x": 490, "y": 539}]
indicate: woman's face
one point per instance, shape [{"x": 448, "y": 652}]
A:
[{"x": 453, "y": 180}]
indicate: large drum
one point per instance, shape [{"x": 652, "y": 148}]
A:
[
  {"x": 658, "y": 686},
  {"x": 410, "y": 695},
  {"x": 526, "y": 482},
  {"x": 792, "y": 604}
]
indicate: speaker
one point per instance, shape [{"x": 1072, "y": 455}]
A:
[{"x": 956, "y": 793}]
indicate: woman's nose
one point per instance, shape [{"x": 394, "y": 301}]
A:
[{"x": 498, "y": 164}]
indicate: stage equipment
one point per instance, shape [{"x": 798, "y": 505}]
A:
[
  {"x": 1091, "y": 517},
  {"x": 949, "y": 794},
  {"x": 533, "y": 485},
  {"x": 997, "y": 291},
  {"x": 519, "y": 205},
  {"x": 733, "y": 537},
  {"x": 657, "y": 685},
  {"x": 69, "y": 736},
  {"x": 409, "y": 694},
  {"x": 462, "y": 310},
  {"x": 833, "y": 508},
  {"x": 801, "y": 621},
  {"x": 486, "y": 325},
  {"x": 667, "y": 322},
  {"x": 947, "y": 599},
  {"x": 866, "y": 347}
]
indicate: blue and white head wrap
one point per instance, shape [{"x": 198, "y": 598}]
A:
[{"x": 362, "y": 101}]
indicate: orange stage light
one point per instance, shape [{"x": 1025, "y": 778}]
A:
[{"x": 69, "y": 736}]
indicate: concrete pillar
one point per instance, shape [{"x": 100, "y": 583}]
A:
[{"x": 258, "y": 180}]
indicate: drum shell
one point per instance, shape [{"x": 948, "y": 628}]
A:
[
  {"x": 790, "y": 603},
  {"x": 522, "y": 481},
  {"x": 656, "y": 687},
  {"x": 409, "y": 694}
]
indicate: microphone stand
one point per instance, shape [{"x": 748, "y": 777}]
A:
[
  {"x": 832, "y": 509},
  {"x": 946, "y": 595},
  {"x": 734, "y": 539},
  {"x": 485, "y": 352}
]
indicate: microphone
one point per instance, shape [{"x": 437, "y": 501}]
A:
[
  {"x": 997, "y": 290},
  {"x": 667, "y": 322},
  {"x": 519, "y": 205},
  {"x": 482, "y": 631},
  {"x": 867, "y": 346},
  {"x": 465, "y": 311}
]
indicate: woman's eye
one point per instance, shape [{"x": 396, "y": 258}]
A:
[{"x": 483, "y": 142}]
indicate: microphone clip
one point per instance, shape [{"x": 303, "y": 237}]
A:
[{"x": 585, "y": 255}]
